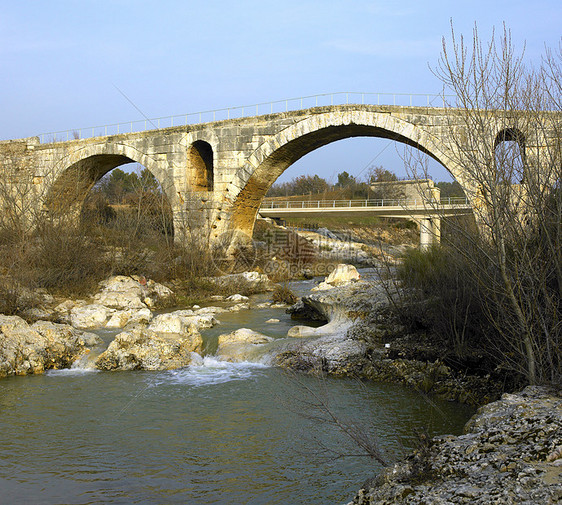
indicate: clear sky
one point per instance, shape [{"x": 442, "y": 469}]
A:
[{"x": 61, "y": 61}]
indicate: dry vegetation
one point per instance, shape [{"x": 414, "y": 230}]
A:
[
  {"x": 68, "y": 255},
  {"x": 500, "y": 290}
]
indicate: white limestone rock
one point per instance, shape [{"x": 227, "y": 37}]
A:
[
  {"x": 244, "y": 336},
  {"x": 237, "y": 298},
  {"x": 142, "y": 349},
  {"x": 122, "y": 318},
  {"x": 62, "y": 310},
  {"x": 330, "y": 353},
  {"x": 242, "y": 345},
  {"x": 337, "y": 326},
  {"x": 134, "y": 292},
  {"x": 238, "y": 307},
  {"x": 90, "y": 316},
  {"x": 121, "y": 292},
  {"x": 248, "y": 282},
  {"x": 181, "y": 322},
  {"x": 28, "y": 349},
  {"x": 343, "y": 274},
  {"x": 203, "y": 311},
  {"x": 322, "y": 286}
]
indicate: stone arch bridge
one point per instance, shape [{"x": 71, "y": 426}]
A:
[{"x": 216, "y": 174}]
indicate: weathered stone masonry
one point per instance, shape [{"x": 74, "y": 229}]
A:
[{"x": 216, "y": 174}]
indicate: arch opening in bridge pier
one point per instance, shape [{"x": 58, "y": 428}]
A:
[
  {"x": 200, "y": 159},
  {"x": 509, "y": 156}
]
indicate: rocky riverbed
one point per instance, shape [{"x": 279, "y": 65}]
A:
[
  {"x": 358, "y": 338},
  {"x": 512, "y": 448},
  {"x": 362, "y": 339},
  {"x": 148, "y": 340}
]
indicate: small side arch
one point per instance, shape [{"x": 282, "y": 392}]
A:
[
  {"x": 200, "y": 160},
  {"x": 509, "y": 155},
  {"x": 510, "y": 135}
]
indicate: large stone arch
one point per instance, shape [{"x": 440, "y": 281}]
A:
[
  {"x": 75, "y": 173},
  {"x": 245, "y": 193}
]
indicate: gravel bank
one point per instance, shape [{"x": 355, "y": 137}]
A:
[{"x": 511, "y": 453}]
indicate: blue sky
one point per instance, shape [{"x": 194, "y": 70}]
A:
[{"x": 61, "y": 61}]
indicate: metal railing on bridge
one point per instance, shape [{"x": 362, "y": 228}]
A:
[
  {"x": 383, "y": 202},
  {"x": 289, "y": 104}
]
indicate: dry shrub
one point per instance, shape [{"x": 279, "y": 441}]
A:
[
  {"x": 283, "y": 294},
  {"x": 64, "y": 259},
  {"x": 10, "y": 297}
]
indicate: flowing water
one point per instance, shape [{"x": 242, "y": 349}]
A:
[{"x": 217, "y": 432}]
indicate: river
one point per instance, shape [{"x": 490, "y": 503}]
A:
[{"x": 215, "y": 433}]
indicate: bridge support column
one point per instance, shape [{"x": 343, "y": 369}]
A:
[{"x": 430, "y": 231}]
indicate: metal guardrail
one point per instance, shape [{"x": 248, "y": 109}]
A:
[
  {"x": 289, "y": 104},
  {"x": 384, "y": 202}
]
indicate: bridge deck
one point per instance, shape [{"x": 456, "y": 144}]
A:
[{"x": 415, "y": 209}]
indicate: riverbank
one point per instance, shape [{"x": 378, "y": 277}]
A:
[
  {"x": 364, "y": 339},
  {"x": 511, "y": 453},
  {"x": 512, "y": 448}
]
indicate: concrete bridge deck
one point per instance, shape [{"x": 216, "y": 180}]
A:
[
  {"x": 426, "y": 213},
  {"x": 395, "y": 208}
]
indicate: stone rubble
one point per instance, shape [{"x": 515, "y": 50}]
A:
[{"x": 511, "y": 453}]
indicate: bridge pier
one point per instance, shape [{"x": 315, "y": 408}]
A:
[{"x": 430, "y": 231}]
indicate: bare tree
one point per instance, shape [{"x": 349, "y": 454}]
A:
[{"x": 505, "y": 141}]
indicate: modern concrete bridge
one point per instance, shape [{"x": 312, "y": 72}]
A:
[
  {"x": 215, "y": 174},
  {"x": 427, "y": 214}
]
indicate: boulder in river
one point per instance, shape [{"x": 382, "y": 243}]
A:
[
  {"x": 341, "y": 275},
  {"x": 348, "y": 301},
  {"x": 90, "y": 316},
  {"x": 336, "y": 347},
  {"x": 142, "y": 349},
  {"x": 122, "y": 318},
  {"x": 329, "y": 353},
  {"x": 241, "y": 345},
  {"x": 180, "y": 322},
  {"x": 237, "y": 298},
  {"x": 94, "y": 316},
  {"x": 131, "y": 292},
  {"x": 27, "y": 349}
]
